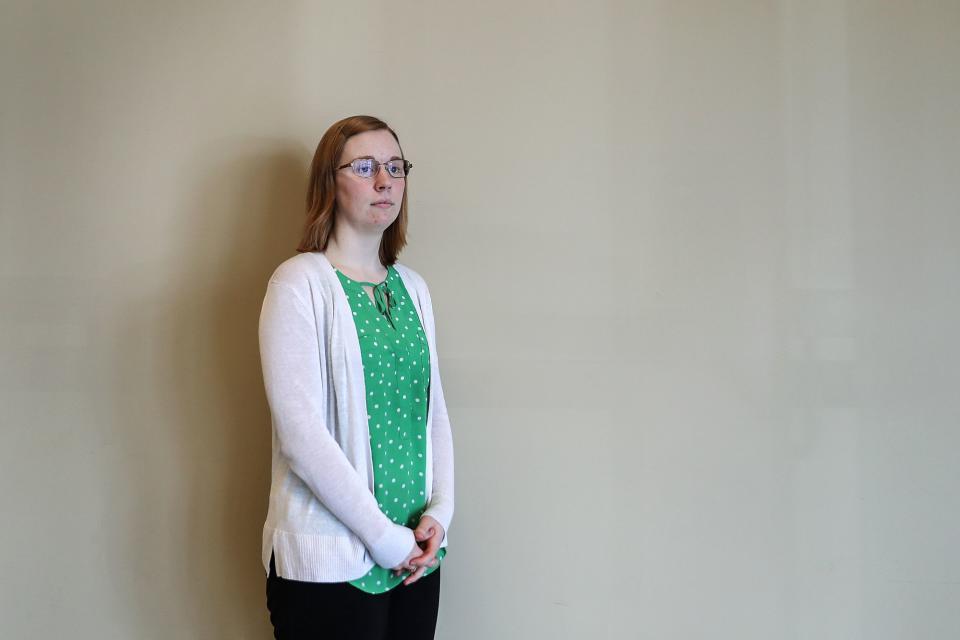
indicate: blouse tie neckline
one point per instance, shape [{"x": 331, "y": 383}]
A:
[{"x": 383, "y": 298}]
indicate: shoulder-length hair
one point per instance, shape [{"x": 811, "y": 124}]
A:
[{"x": 322, "y": 190}]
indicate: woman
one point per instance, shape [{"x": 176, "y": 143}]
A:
[{"x": 362, "y": 485}]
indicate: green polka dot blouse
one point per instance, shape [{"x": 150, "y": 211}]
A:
[{"x": 396, "y": 369}]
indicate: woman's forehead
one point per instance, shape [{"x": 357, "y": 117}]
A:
[{"x": 378, "y": 144}]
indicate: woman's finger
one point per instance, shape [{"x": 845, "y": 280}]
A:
[
  {"x": 413, "y": 577},
  {"x": 409, "y": 567},
  {"x": 423, "y": 533},
  {"x": 426, "y": 558}
]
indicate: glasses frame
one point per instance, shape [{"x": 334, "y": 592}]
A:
[{"x": 407, "y": 165}]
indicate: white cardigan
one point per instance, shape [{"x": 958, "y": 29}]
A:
[{"x": 323, "y": 522}]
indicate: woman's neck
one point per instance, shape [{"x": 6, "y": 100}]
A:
[{"x": 357, "y": 257}]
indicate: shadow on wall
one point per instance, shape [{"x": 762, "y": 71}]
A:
[{"x": 195, "y": 542}]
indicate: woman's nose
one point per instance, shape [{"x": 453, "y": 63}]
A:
[{"x": 382, "y": 180}]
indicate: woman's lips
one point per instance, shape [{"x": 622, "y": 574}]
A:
[{"x": 383, "y": 205}]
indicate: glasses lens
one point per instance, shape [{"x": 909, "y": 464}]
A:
[
  {"x": 396, "y": 168},
  {"x": 364, "y": 167}
]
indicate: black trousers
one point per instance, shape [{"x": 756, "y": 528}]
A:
[{"x": 340, "y": 611}]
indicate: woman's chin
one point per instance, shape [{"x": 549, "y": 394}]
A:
[{"x": 382, "y": 220}]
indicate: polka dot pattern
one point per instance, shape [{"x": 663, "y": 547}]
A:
[{"x": 396, "y": 369}]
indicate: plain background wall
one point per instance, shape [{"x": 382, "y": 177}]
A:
[{"x": 695, "y": 271}]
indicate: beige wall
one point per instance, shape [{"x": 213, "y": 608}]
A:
[{"x": 695, "y": 270}]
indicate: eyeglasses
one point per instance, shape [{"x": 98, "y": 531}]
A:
[{"x": 368, "y": 167}]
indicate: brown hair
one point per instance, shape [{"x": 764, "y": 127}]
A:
[{"x": 322, "y": 190}]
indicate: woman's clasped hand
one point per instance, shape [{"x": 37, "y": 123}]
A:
[{"x": 428, "y": 535}]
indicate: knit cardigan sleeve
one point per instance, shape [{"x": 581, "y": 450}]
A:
[{"x": 293, "y": 380}]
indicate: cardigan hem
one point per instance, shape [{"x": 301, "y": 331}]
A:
[{"x": 315, "y": 558}]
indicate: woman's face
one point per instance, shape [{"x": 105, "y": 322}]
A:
[{"x": 369, "y": 205}]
